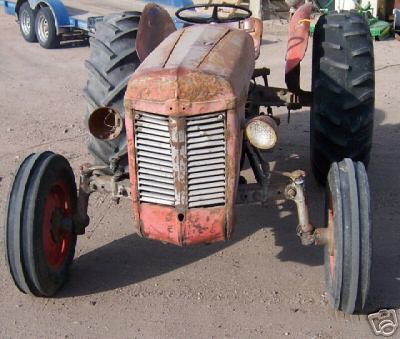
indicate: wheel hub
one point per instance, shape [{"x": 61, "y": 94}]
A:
[
  {"x": 56, "y": 237},
  {"x": 43, "y": 28},
  {"x": 25, "y": 22}
]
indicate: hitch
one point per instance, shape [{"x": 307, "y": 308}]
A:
[
  {"x": 296, "y": 191},
  {"x": 93, "y": 179},
  {"x": 81, "y": 219}
]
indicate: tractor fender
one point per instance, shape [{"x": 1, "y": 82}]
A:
[
  {"x": 299, "y": 28},
  {"x": 58, "y": 9},
  {"x": 154, "y": 26}
]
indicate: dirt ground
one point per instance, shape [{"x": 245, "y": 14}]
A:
[{"x": 263, "y": 283}]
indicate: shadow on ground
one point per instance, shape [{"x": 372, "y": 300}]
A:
[{"x": 84, "y": 42}]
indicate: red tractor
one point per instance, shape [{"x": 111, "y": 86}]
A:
[{"x": 173, "y": 114}]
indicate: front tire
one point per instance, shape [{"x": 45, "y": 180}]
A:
[
  {"x": 343, "y": 86},
  {"x": 349, "y": 250},
  {"x": 39, "y": 250},
  {"x": 26, "y": 18},
  {"x": 45, "y": 28}
]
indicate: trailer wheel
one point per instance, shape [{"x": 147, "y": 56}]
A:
[
  {"x": 26, "y": 18},
  {"x": 343, "y": 85},
  {"x": 113, "y": 59},
  {"x": 39, "y": 247},
  {"x": 349, "y": 250},
  {"x": 45, "y": 27}
]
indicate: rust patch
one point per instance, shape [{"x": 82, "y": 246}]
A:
[
  {"x": 181, "y": 84},
  {"x": 177, "y": 130},
  {"x": 132, "y": 169},
  {"x": 196, "y": 229},
  {"x": 192, "y": 67}
]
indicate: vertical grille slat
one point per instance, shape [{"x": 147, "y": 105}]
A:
[
  {"x": 206, "y": 191},
  {"x": 206, "y": 168},
  {"x": 152, "y": 125},
  {"x": 218, "y": 155},
  {"x": 153, "y": 131},
  {"x": 153, "y": 149},
  {"x": 208, "y": 202},
  {"x": 205, "y": 150},
  {"x": 154, "y": 144},
  {"x": 214, "y": 178},
  {"x": 153, "y": 137},
  {"x": 217, "y": 131},
  {"x": 143, "y": 164},
  {"x": 155, "y": 178},
  {"x": 195, "y": 128},
  {"x": 147, "y": 155},
  {"x": 152, "y": 160}
]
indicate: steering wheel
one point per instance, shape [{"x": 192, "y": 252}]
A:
[{"x": 214, "y": 18}]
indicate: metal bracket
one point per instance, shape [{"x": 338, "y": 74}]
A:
[
  {"x": 92, "y": 21},
  {"x": 92, "y": 179},
  {"x": 296, "y": 191},
  {"x": 255, "y": 192}
]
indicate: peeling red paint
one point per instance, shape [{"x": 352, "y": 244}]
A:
[
  {"x": 299, "y": 28},
  {"x": 200, "y": 224}
]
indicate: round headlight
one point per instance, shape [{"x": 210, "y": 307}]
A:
[{"x": 261, "y": 131}]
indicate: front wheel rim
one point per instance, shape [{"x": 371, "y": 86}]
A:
[
  {"x": 43, "y": 28},
  {"x": 56, "y": 241},
  {"x": 25, "y": 22}
]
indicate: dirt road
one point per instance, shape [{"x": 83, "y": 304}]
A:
[{"x": 261, "y": 284}]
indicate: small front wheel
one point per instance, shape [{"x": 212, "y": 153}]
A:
[
  {"x": 349, "y": 249},
  {"x": 45, "y": 28},
  {"x": 40, "y": 243},
  {"x": 26, "y": 18}
]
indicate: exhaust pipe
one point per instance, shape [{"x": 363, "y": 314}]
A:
[{"x": 105, "y": 123}]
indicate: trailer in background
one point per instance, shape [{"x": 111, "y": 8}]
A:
[{"x": 51, "y": 21}]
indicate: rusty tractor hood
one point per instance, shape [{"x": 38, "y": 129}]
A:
[{"x": 195, "y": 69}]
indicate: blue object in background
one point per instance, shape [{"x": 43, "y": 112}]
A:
[
  {"x": 63, "y": 20},
  {"x": 173, "y": 3},
  {"x": 9, "y": 7}
]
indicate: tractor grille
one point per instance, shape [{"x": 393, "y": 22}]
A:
[
  {"x": 205, "y": 154},
  {"x": 154, "y": 159},
  {"x": 206, "y": 160}
]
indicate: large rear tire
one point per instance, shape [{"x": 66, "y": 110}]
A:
[
  {"x": 112, "y": 61},
  {"x": 343, "y": 85}
]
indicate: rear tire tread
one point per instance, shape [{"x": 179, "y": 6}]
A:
[
  {"x": 343, "y": 86},
  {"x": 112, "y": 61}
]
